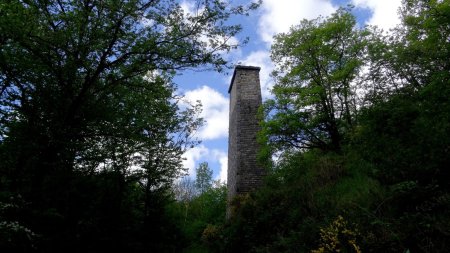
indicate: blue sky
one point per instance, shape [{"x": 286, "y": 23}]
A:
[{"x": 273, "y": 17}]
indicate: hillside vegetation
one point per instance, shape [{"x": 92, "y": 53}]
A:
[
  {"x": 360, "y": 128},
  {"x": 356, "y": 139}
]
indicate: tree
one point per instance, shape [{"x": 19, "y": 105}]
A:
[
  {"x": 186, "y": 189},
  {"x": 317, "y": 64},
  {"x": 388, "y": 188},
  {"x": 411, "y": 56},
  {"x": 202, "y": 212},
  {"x": 203, "y": 180},
  {"x": 421, "y": 43},
  {"x": 87, "y": 99},
  {"x": 185, "y": 192},
  {"x": 406, "y": 135}
]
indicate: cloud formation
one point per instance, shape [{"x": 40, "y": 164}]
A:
[
  {"x": 262, "y": 59},
  {"x": 384, "y": 12},
  {"x": 193, "y": 157},
  {"x": 222, "y": 157},
  {"x": 279, "y": 15},
  {"x": 215, "y": 112},
  {"x": 276, "y": 16}
]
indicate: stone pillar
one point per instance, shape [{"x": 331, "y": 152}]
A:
[{"x": 244, "y": 172}]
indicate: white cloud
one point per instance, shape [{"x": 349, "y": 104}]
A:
[
  {"x": 279, "y": 15},
  {"x": 384, "y": 12},
  {"x": 276, "y": 16},
  {"x": 222, "y": 157},
  {"x": 215, "y": 112},
  {"x": 261, "y": 59},
  {"x": 193, "y": 157}
]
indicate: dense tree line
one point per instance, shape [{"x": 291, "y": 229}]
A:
[
  {"x": 359, "y": 124},
  {"x": 200, "y": 210},
  {"x": 91, "y": 127},
  {"x": 92, "y": 132}
]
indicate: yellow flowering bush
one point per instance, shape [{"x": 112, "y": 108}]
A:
[
  {"x": 210, "y": 234},
  {"x": 338, "y": 237}
]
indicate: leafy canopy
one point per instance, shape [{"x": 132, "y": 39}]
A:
[
  {"x": 91, "y": 127},
  {"x": 317, "y": 65}
]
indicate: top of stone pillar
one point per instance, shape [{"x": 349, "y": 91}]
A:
[{"x": 241, "y": 67}]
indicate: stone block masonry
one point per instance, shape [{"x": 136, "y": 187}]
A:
[{"x": 244, "y": 172}]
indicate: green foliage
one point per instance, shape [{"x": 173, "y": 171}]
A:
[
  {"x": 317, "y": 64},
  {"x": 407, "y": 140},
  {"x": 201, "y": 217},
  {"x": 425, "y": 34},
  {"x": 91, "y": 128},
  {"x": 338, "y": 237},
  {"x": 389, "y": 178},
  {"x": 301, "y": 195}
]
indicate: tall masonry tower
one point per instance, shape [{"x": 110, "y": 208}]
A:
[{"x": 244, "y": 173}]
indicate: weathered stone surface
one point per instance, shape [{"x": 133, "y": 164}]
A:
[{"x": 244, "y": 172}]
